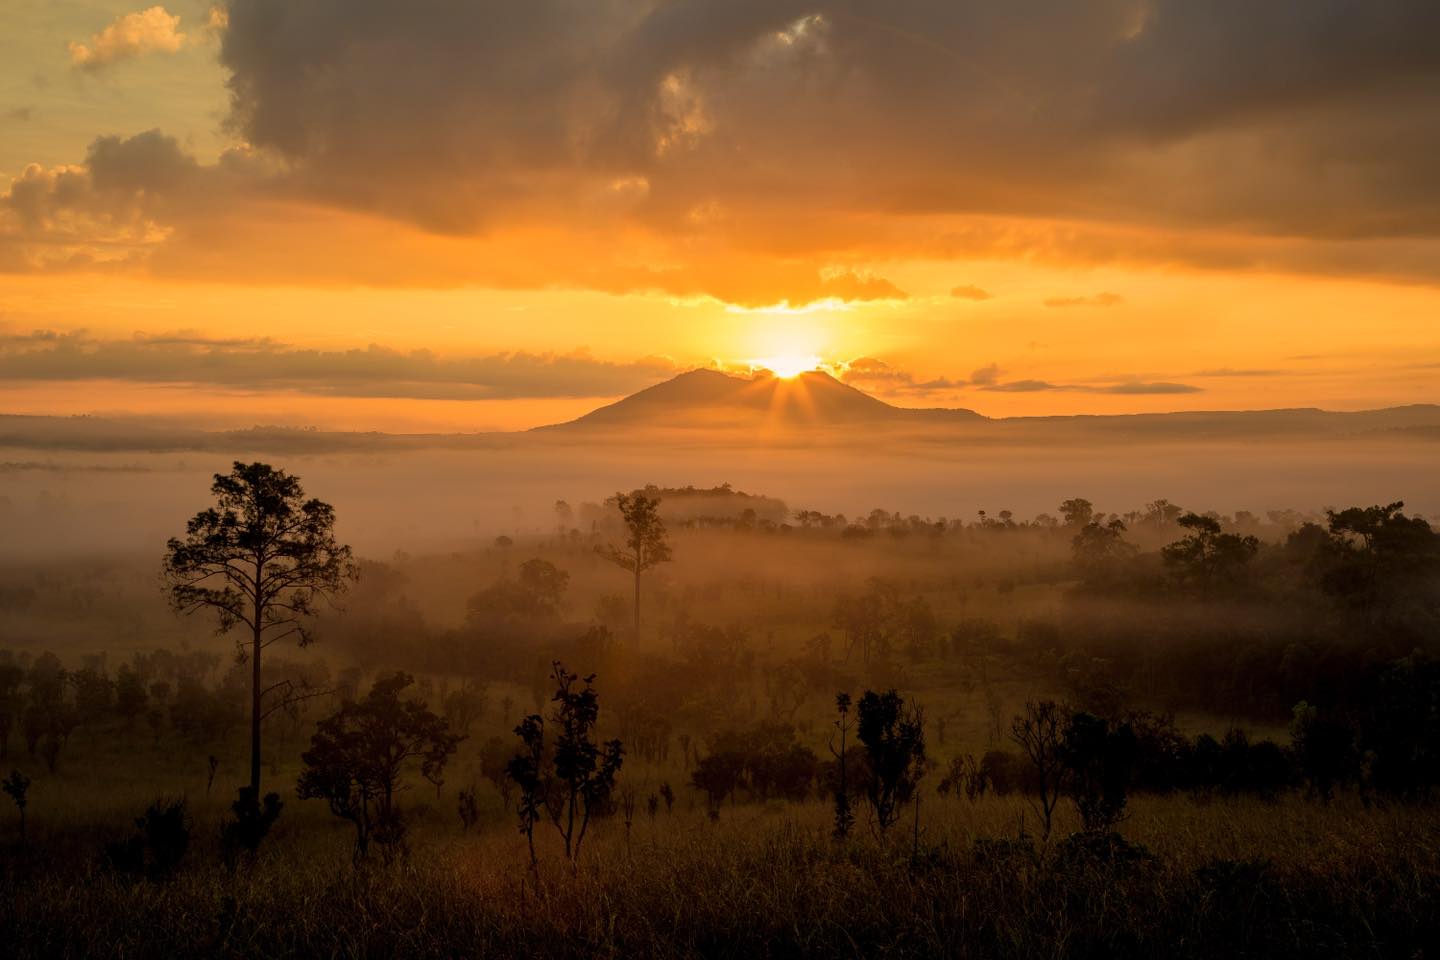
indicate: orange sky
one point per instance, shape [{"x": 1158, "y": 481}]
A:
[{"x": 1138, "y": 205}]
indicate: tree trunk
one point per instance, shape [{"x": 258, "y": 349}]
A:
[
  {"x": 255, "y": 702},
  {"x": 570, "y": 825},
  {"x": 637, "y": 602}
]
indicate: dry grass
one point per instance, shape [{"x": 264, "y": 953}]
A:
[{"x": 1227, "y": 879}]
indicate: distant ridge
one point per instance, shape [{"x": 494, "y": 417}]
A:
[
  {"x": 815, "y": 400},
  {"x": 705, "y": 397},
  {"x": 811, "y": 408}
]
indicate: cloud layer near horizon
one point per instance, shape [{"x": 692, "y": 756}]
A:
[
  {"x": 877, "y": 376},
  {"x": 265, "y": 365},
  {"x": 772, "y": 150}
]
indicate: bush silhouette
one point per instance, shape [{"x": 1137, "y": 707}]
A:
[
  {"x": 893, "y": 734},
  {"x": 162, "y": 837}
]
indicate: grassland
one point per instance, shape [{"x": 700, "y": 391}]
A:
[{"x": 1221, "y": 878}]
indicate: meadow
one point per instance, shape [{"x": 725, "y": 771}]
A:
[{"x": 1264, "y": 774}]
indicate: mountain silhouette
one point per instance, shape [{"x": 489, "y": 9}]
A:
[
  {"x": 711, "y": 398},
  {"x": 813, "y": 406},
  {"x": 817, "y": 401}
]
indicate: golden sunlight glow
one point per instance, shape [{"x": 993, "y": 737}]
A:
[{"x": 787, "y": 366}]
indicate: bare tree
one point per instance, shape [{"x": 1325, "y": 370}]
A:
[
  {"x": 260, "y": 558},
  {"x": 645, "y": 545},
  {"x": 1039, "y": 732}
]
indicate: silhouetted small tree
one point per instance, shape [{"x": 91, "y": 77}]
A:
[
  {"x": 585, "y": 769},
  {"x": 50, "y": 750},
  {"x": 1101, "y": 552},
  {"x": 11, "y": 676},
  {"x": 17, "y": 786},
  {"x": 965, "y": 775},
  {"x": 1038, "y": 732},
  {"x": 131, "y": 697},
  {"x": 1400, "y": 727},
  {"x": 1077, "y": 512},
  {"x": 468, "y": 809},
  {"x": 358, "y": 757},
  {"x": 1208, "y": 558},
  {"x": 718, "y": 774},
  {"x": 844, "y": 811},
  {"x": 893, "y": 734},
  {"x": 1100, "y": 759},
  {"x": 494, "y": 763},
  {"x": 159, "y": 844},
  {"x": 1325, "y": 749},
  {"x": 571, "y": 779},
  {"x": 251, "y": 820},
  {"x": 1378, "y": 562},
  {"x": 645, "y": 544},
  {"x": 527, "y": 770}
]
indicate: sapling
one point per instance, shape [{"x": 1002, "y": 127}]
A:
[
  {"x": 844, "y": 814},
  {"x": 573, "y": 779},
  {"x": 17, "y": 785},
  {"x": 893, "y": 733},
  {"x": 468, "y": 809}
]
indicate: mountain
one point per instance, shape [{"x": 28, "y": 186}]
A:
[
  {"x": 811, "y": 409},
  {"x": 816, "y": 401},
  {"x": 702, "y": 398}
]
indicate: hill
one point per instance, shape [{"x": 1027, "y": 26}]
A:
[{"x": 702, "y": 398}]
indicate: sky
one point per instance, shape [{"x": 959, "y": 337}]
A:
[{"x": 467, "y": 215}]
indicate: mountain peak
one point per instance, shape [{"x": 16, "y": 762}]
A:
[{"x": 705, "y": 397}]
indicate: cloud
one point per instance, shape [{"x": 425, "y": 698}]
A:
[
  {"x": 262, "y": 364},
  {"x": 142, "y": 201},
  {"x": 986, "y": 375},
  {"x": 688, "y": 145},
  {"x": 1123, "y": 388},
  {"x": 1239, "y": 372},
  {"x": 851, "y": 285},
  {"x": 20, "y": 114},
  {"x": 988, "y": 378},
  {"x": 1055, "y": 109},
  {"x": 153, "y": 30},
  {"x": 122, "y": 203},
  {"x": 969, "y": 292},
  {"x": 1098, "y": 300},
  {"x": 1140, "y": 389},
  {"x": 877, "y": 376},
  {"x": 871, "y": 370}
]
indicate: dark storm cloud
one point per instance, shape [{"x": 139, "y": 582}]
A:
[
  {"x": 268, "y": 365},
  {"x": 451, "y": 111},
  {"x": 760, "y": 131}
]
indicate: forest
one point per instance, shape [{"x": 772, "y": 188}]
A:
[{"x": 696, "y": 721}]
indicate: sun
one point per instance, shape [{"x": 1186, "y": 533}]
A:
[{"x": 787, "y": 366}]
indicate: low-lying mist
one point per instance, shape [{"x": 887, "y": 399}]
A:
[{"x": 422, "y": 498}]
